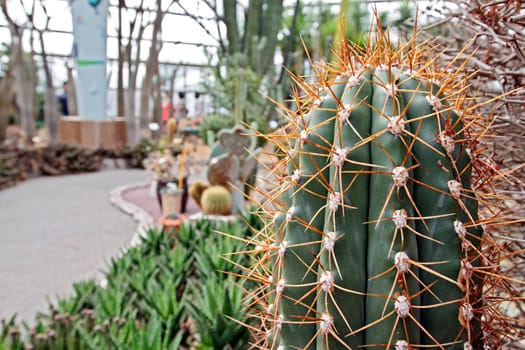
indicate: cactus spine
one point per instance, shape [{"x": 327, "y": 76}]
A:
[{"x": 375, "y": 239}]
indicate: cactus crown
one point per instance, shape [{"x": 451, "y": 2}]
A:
[{"x": 372, "y": 234}]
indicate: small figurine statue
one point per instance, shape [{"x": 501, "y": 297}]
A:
[{"x": 232, "y": 161}]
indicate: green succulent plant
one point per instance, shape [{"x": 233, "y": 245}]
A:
[{"x": 218, "y": 304}]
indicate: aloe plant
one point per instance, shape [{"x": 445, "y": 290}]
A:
[
  {"x": 217, "y": 307},
  {"x": 82, "y": 298},
  {"x": 10, "y": 335},
  {"x": 372, "y": 236},
  {"x": 218, "y": 253},
  {"x": 170, "y": 292}
]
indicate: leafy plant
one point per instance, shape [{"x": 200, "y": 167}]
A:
[
  {"x": 82, "y": 298},
  {"x": 218, "y": 254},
  {"x": 213, "y": 123},
  {"x": 10, "y": 335},
  {"x": 149, "y": 336},
  {"x": 218, "y": 305}
]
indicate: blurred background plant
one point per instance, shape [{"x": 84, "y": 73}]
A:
[
  {"x": 274, "y": 31},
  {"x": 162, "y": 165}
]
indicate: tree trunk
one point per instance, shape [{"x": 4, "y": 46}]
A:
[
  {"x": 6, "y": 99},
  {"x": 4, "y": 113},
  {"x": 133, "y": 65},
  {"x": 171, "y": 113},
  {"x": 121, "y": 103},
  {"x": 157, "y": 105},
  {"x": 50, "y": 105},
  {"x": 51, "y": 115},
  {"x": 151, "y": 67},
  {"x": 25, "y": 85},
  {"x": 145, "y": 96},
  {"x": 72, "y": 104},
  {"x": 131, "y": 115}
]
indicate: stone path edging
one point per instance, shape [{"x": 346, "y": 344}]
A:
[{"x": 144, "y": 220}]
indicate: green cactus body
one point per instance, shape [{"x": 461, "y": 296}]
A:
[
  {"x": 441, "y": 167},
  {"x": 375, "y": 241},
  {"x": 344, "y": 224},
  {"x": 305, "y": 217},
  {"x": 196, "y": 189},
  {"x": 347, "y": 270},
  {"x": 434, "y": 173},
  {"x": 390, "y": 242}
]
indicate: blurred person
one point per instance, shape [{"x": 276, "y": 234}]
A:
[
  {"x": 180, "y": 108},
  {"x": 62, "y": 100},
  {"x": 199, "y": 108},
  {"x": 166, "y": 109}
]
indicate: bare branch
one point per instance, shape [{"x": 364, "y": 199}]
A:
[{"x": 199, "y": 22}]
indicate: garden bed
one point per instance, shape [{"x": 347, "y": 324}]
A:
[{"x": 176, "y": 290}]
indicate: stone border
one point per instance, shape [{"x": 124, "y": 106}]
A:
[
  {"x": 144, "y": 220},
  {"x": 216, "y": 218}
]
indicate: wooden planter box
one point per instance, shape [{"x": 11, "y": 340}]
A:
[{"x": 93, "y": 134}]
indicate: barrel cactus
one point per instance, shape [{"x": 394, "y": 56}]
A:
[
  {"x": 216, "y": 200},
  {"x": 373, "y": 237},
  {"x": 196, "y": 189}
]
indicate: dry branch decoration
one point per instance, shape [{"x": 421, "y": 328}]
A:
[
  {"x": 381, "y": 228},
  {"x": 497, "y": 58}
]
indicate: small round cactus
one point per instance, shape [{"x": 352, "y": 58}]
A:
[
  {"x": 196, "y": 189},
  {"x": 373, "y": 237},
  {"x": 216, "y": 200}
]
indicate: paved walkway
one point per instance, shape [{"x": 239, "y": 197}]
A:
[{"x": 55, "y": 231}]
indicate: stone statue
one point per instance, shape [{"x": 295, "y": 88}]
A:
[{"x": 232, "y": 161}]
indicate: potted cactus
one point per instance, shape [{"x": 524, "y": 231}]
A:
[
  {"x": 168, "y": 165},
  {"x": 164, "y": 168},
  {"x": 373, "y": 235}
]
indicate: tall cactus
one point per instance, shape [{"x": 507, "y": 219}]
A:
[{"x": 373, "y": 238}]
